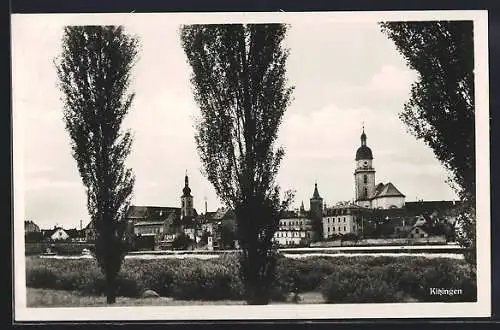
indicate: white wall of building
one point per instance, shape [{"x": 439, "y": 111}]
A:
[
  {"x": 340, "y": 225},
  {"x": 289, "y": 237},
  {"x": 59, "y": 234},
  {"x": 152, "y": 228},
  {"x": 388, "y": 202}
]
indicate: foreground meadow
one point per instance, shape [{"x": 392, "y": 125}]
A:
[{"x": 364, "y": 279}]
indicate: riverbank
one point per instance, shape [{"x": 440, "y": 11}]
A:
[{"x": 450, "y": 251}]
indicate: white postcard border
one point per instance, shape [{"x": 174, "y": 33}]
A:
[{"x": 481, "y": 308}]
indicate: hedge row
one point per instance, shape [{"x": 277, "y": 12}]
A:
[{"x": 339, "y": 279}]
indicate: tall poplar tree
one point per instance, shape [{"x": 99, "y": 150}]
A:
[
  {"x": 239, "y": 82},
  {"x": 94, "y": 77},
  {"x": 441, "y": 109}
]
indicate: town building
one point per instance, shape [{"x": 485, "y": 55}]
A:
[
  {"x": 59, "y": 234},
  {"x": 153, "y": 220},
  {"x": 418, "y": 232},
  {"x": 31, "y": 227},
  {"x": 294, "y": 229},
  {"x": 342, "y": 220}
]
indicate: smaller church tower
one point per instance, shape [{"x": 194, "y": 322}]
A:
[
  {"x": 302, "y": 210},
  {"x": 364, "y": 175},
  {"x": 186, "y": 200}
]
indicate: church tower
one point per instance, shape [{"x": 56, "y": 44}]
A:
[
  {"x": 186, "y": 200},
  {"x": 316, "y": 213},
  {"x": 316, "y": 203},
  {"x": 364, "y": 175}
]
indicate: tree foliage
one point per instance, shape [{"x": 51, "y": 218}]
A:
[
  {"x": 182, "y": 242},
  {"x": 441, "y": 107},
  {"x": 227, "y": 236},
  {"x": 240, "y": 86},
  {"x": 94, "y": 77}
]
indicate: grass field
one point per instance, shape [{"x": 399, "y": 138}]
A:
[{"x": 60, "y": 298}]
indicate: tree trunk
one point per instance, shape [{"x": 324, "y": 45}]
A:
[
  {"x": 257, "y": 286},
  {"x": 258, "y": 293},
  {"x": 110, "y": 289}
]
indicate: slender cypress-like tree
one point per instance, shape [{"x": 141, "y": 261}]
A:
[
  {"x": 441, "y": 108},
  {"x": 239, "y": 82},
  {"x": 94, "y": 76}
]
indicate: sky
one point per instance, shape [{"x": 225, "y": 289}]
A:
[{"x": 345, "y": 74}]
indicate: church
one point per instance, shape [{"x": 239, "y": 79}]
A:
[
  {"x": 161, "y": 220},
  {"x": 367, "y": 193}
]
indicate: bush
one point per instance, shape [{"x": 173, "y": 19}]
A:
[
  {"x": 339, "y": 279},
  {"x": 359, "y": 286},
  {"x": 209, "y": 281},
  {"x": 41, "y": 278}
]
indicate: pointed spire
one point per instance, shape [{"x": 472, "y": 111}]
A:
[{"x": 316, "y": 193}]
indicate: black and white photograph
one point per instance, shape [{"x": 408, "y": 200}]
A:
[{"x": 313, "y": 165}]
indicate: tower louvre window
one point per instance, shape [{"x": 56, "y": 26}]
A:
[{"x": 365, "y": 179}]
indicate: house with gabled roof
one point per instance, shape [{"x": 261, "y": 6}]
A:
[{"x": 59, "y": 234}]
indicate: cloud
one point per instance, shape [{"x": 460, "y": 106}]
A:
[
  {"x": 44, "y": 183},
  {"x": 316, "y": 134},
  {"x": 391, "y": 78}
]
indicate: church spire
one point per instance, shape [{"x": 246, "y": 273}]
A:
[
  {"x": 302, "y": 209},
  {"x": 186, "y": 191},
  {"x": 363, "y": 136}
]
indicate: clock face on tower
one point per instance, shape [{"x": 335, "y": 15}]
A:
[{"x": 365, "y": 164}]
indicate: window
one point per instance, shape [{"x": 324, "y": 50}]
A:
[
  {"x": 344, "y": 219},
  {"x": 333, "y": 229},
  {"x": 365, "y": 179},
  {"x": 344, "y": 228},
  {"x": 416, "y": 231},
  {"x": 422, "y": 235}
]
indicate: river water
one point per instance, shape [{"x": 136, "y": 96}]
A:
[{"x": 206, "y": 256}]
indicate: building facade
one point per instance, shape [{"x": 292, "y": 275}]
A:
[
  {"x": 59, "y": 234},
  {"x": 343, "y": 220},
  {"x": 294, "y": 230}
]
